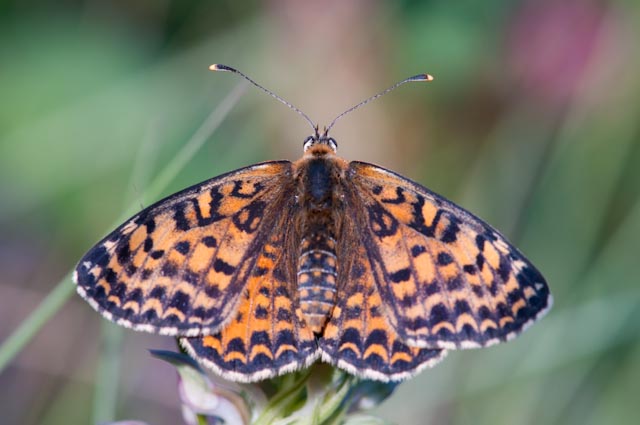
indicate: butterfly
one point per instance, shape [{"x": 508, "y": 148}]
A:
[{"x": 266, "y": 269}]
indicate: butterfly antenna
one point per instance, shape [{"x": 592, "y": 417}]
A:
[
  {"x": 219, "y": 67},
  {"x": 420, "y": 77}
]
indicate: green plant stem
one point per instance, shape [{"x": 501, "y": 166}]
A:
[
  {"x": 188, "y": 151},
  {"x": 335, "y": 406},
  {"x": 105, "y": 398},
  {"x": 281, "y": 401},
  {"x": 32, "y": 324}
]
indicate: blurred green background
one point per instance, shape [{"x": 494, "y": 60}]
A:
[{"x": 532, "y": 123}]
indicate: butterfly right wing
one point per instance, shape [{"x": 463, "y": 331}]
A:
[
  {"x": 446, "y": 278},
  {"x": 358, "y": 337},
  {"x": 179, "y": 266}
]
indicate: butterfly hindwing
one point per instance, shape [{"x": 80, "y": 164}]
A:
[
  {"x": 446, "y": 279},
  {"x": 179, "y": 266},
  {"x": 358, "y": 337},
  {"x": 268, "y": 335}
]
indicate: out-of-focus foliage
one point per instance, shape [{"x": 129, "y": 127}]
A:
[{"x": 532, "y": 122}]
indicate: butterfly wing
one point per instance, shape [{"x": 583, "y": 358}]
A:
[
  {"x": 268, "y": 335},
  {"x": 179, "y": 266},
  {"x": 446, "y": 279},
  {"x": 358, "y": 337}
]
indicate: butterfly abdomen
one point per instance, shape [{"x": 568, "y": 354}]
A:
[
  {"x": 317, "y": 278},
  {"x": 317, "y": 268}
]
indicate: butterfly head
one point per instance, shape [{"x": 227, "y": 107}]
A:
[{"x": 320, "y": 143}]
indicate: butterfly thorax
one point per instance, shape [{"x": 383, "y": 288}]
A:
[{"x": 320, "y": 199}]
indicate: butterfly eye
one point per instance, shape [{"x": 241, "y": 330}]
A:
[
  {"x": 333, "y": 144},
  {"x": 308, "y": 142}
]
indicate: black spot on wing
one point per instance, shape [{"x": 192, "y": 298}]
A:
[
  {"x": 183, "y": 247},
  {"x": 180, "y": 218},
  {"x": 123, "y": 253},
  {"x": 260, "y": 337},
  {"x": 469, "y": 269},
  {"x": 418, "y": 220},
  {"x": 400, "y": 275},
  {"x": 450, "y": 234},
  {"x": 157, "y": 254},
  {"x": 151, "y": 225},
  {"x": 240, "y": 189},
  {"x": 353, "y": 312},
  {"x": 444, "y": 258},
  {"x": 146, "y": 273},
  {"x": 399, "y": 199},
  {"x": 180, "y": 211},
  {"x": 248, "y": 218},
  {"x": 455, "y": 283},
  {"x": 504, "y": 268},
  {"x": 158, "y": 293},
  {"x": 261, "y": 312},
  {"x": 98, "y": 256},
  {"x": 283, "y": 315},
  {"x": 148, "y": 244},
  {"x": 180, "y": 301},
  {"x": 110, "y": 276},
  {"x": 169, "y": 269},
  {"x": 236, "y": 345},
  {"x": 210, "y": 241},
  {"x": 416, "y": 250},
  {"x": 260, "y": 271},
  {"x": 382, "y": 223},
  {"x": 223, "y": 267},
  {"x": 377, "y": 336}
]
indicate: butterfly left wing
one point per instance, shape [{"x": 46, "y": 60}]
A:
[
  {"x": 268, "y": 335},
  {"x": 179, "y": 266},
  {"x": 446, "y": 279}
]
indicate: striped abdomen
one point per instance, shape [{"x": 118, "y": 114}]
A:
[{"x": 317, "y": 275}]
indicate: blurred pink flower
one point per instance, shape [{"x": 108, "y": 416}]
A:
[{"x": 551, "y": 43}]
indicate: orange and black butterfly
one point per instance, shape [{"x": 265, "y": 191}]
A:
[{"x": 266, "y": 269}]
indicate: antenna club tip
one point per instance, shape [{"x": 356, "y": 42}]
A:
[
  {"x": 220, "y": 67},
  {"x": 421, "y": 78}
]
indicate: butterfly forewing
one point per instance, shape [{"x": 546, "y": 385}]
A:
[
  {"x": 446, "y": 279},
  {"x": 180, "y": 266}
]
